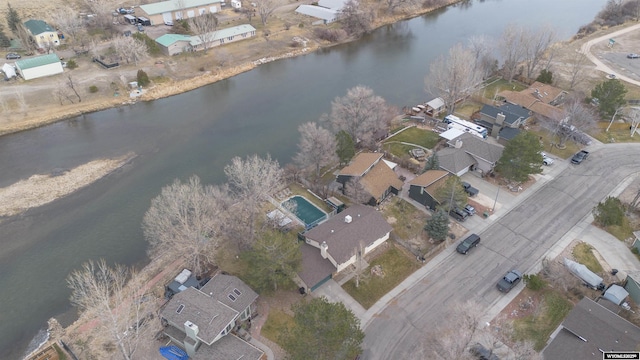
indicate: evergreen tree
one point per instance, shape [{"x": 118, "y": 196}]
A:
[
  {"x": 432, "y": 163},
  {"x": 545, "y": 77},
  {"x": 346, "y": 148},
  {"x": 609, "y": 212},
  {"x": 610, "y": 95},
  {"x": 520, "y": 158},
  {"x": 4, "y": 40},
  {"x": 143, "y": 78},
  {"x": 438, "y": 225},
  {"x": 13, "y": 19}
]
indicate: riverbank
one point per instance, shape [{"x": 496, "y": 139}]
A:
[
  {"x": 41, "y": 189},
  {"x": 48, "y": 114}
]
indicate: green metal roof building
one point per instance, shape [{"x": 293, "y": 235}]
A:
[{"x": 39, "y": 66}]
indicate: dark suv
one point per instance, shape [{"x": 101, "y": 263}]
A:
[
  {"x": 509, "y": 281},
  {"x": 458, "y": 214},
  {"x": 467, "y": 244}
]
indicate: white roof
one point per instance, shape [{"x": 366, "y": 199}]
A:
[
  {"x": 223, "y": 33},
  {"x": 332, "y": 4},
  {"x": 390, "y": 164},
  {"x": 451, "y": 134},
  {"x": 616, "y": 294},
  {"x": 318, "y": 12},
  {"x": 436, "y": 103},
  {"x": 8, "y": 70},
  {"x": 171, "y": 5}
]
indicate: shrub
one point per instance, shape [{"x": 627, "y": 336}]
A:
[
  {"x": 152, "y": 45},
  {"x": 201, "y": 69},
  {"x": 71, "y": 64},
  {"x": 609, "y": 212},
  {"x": 534, "y": 281},
  {"x": 143, "y": 78},
  {"x": 301, "y": 25},
  {"x": 331, "y": 35},
  {"x": 545, "y": 77},
  {"x": 93, "y": 89}
]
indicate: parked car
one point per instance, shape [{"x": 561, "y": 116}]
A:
[
  {"x": 467, "y": 244},
  {"x": 509, "y": 281},
  {"x": 13, "y": 56},
  {"x": 469, "y": 210},
  {"x": 458, "y": 214},
  {"x": 579, "y": 157},
  {"x": 140, "y": 28},
  {"x": 633, "y": 56},
  {"x": 482, "y": 353},
  {"x": 546, "y": 160},
  {"x": 470, "y": 189}
]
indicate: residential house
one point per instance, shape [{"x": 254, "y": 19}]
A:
[
  {"x": 632, "y": 285},
  {"x": 507, "y": 115},
  {"x": 39, "y": 66},
  {"x": 541, "y": 99},
  {"x": 172, "y": 44},
  {"x": 376, "y": 177},
  {"x": 469, "y": 153},
  {"x": 202, "y": 321},
  {"x": 43, "y": 34},
  {"x": 162, "y": 12},
  {"x": 590, "y": 329},
  {"x": 506, "y": 134},
  {"x": 327, "y": 11},
  {"x": 434, "y": 107},
  {"x": 338, "y": 239},
  {"x": 423, "y": 187}
]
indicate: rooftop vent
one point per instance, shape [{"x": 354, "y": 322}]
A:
[
  {"x": 180, "y": 308},
  {"x": 237, "y": 292},
  {"x": 233, "y": 298},
  {"x": 348, "y": 219}
]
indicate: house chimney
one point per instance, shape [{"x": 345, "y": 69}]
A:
[
  {"x": 323, "y": 249},
  {"x": 458, "y": 144},
  {"x": 191, "y": 329},
  {"x": 348, "y": 219},
  {"x": 500, "y": 119}
]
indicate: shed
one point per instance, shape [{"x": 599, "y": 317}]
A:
[
  {"x": 9, "y": 71},
  {"x": 616, "y": 294},
  {"x": 434, "y": 107},
  {"x": 581, "y": 271},
  {"x": 39, "y": 66}
]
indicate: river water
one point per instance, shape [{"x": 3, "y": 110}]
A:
[{"x": 198, "y": 133}]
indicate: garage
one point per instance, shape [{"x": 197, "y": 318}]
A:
[
  {"x": 39, "y": 66},
  {"x": 166, "y": 17},
  {"x": 191, "y": 13}
]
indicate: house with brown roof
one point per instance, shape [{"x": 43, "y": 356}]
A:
[
  {"x": 541, "y": 99},
  {"x": 202, "y": 321},
  {"x": 338, "y": 238},
  {"x": 469, "y": 153},
  {"x": 423, "y": 187},
  {"x": 589, "y": 330},
  {"x": 374, "y": 174}
]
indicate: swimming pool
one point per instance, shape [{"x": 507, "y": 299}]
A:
[{"x": 305, "y": 211}]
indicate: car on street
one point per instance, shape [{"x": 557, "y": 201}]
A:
[
  {"x": 579, "y": 157},
  {"x": 13, "y": 56},
  {"x": 633, "y": 56},
  {"x": 469, "y": 243},
  {"x": 509, "y": 281},
  {"x": 469, "y": 210},
  {"x": 546, "y": 160}
]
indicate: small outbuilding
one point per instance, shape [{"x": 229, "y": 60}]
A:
[
  {"x": 9, "y": 71},
  {"x": 39, "y": 66}
]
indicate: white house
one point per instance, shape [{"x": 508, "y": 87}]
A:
[
  {"x": 43, "y": 34},
  {"x": 39, "y": 66}
]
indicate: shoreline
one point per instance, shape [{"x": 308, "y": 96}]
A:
[{"x": 42, "y": 117}]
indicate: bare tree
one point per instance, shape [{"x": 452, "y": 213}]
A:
[
  {"x": 453, "y": 77},
  {"x": 112, "y": 296},
  {"x": 265, "y": 9},
  {"x": 251, "y": 181},
  {"x": 482, "y": 47},
  {"x": 536, "y": 43},
  {"x": 72, "y": 86},
  {"x": 577, "y": 117},
  {"x": 354, "y": 189},
  {"x": 355, "y": 21},
  {"x": 512, "y": 49},
  {"x": 393, "y": 5},
  {"x": 68, "y": 21},
  {"x": 205, "y": 27},
  {"x": 360, "y": 113},
  {"x": 185, "y": 220},
  {"x": 102, "y": 9},
  {"x": 20, "y": 100},
  {"x": 316, "y": 147},
  {"x": 129, "y": 48},
  {"x": 577, "y": 67},
  {"x": 62, "y": 92}
]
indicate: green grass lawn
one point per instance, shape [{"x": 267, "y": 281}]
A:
[
  {"x": 409, "y": 221},
  {"x": 619, "y": 132},
  {"x": 467, "y": 109},
  {"x": 547, "y": 138},
  {"x": 555, "y": 308},
  {"x": 425, "y": 138},
  {"x": 297, "y": 189},
  {"x": 396, "y": 267},
  {"x": 582, "y": 253},
  {"x": 397, "y": 149},
  {"x": 621, "y": 232},
  {"x": 494, "y": 87},
  {"x": 276, "y": 323}
]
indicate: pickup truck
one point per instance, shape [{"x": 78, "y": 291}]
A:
[
  {"x": 470, "y": 189},
  {"x": 579, "y": 157}
]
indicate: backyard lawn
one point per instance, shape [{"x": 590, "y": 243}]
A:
[
  {"x": 582, "y": 253},
  {"x": 276, "y": 323},
  {"x": 396, "y": 266},
  {"x": 494, "y": 87},
  {"x": 547, "y": 138},
  {"x": 539, "y": 326},
  {"x": 297, "y": 189},
  {"x": 397, "y": 149},
  {"x": 414, "y": 135},
  {"x": 619, "y": 132},
  {"x": 407, "y": 222}
]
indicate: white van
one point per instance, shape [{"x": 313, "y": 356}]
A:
[{"x": 130, "y": 19}]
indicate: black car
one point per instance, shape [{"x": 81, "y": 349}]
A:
[
  {"x": 509, "y": 281},
  {"x": 458, "y": 214},
  {"x": 470, "y": 190},
  {"x": 13, "y": 56},
  {"x": 467, "y": 244}
]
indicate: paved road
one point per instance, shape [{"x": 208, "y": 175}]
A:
[{"x": 520, "y": 239}]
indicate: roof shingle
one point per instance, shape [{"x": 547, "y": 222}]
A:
[
  {"x": 361, "y": 163},
  {"x": 379, "y": 179}
]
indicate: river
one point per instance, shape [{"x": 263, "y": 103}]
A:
[{"x": 198, "y": 133}]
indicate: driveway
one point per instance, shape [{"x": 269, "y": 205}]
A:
[{"x": 335, "y": 293}]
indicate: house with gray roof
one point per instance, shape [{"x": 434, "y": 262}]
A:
[
  {"x": 44, "y": 35},
  {"x": 39, "y": 66},
  {"x": 423, "y": 187},
  {"x": 507, "y": 115},
  {"x": 197, "y": 320},
  {"x": 172, "y": 44},
  {"x": 169, "y": 11},
  {"x": 339, "y": 238},
  {"x": 588, "y": 331},
  {"x": 469, "y": 153}
]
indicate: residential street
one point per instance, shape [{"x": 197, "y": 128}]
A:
[{"x": 523, "y": 234}]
